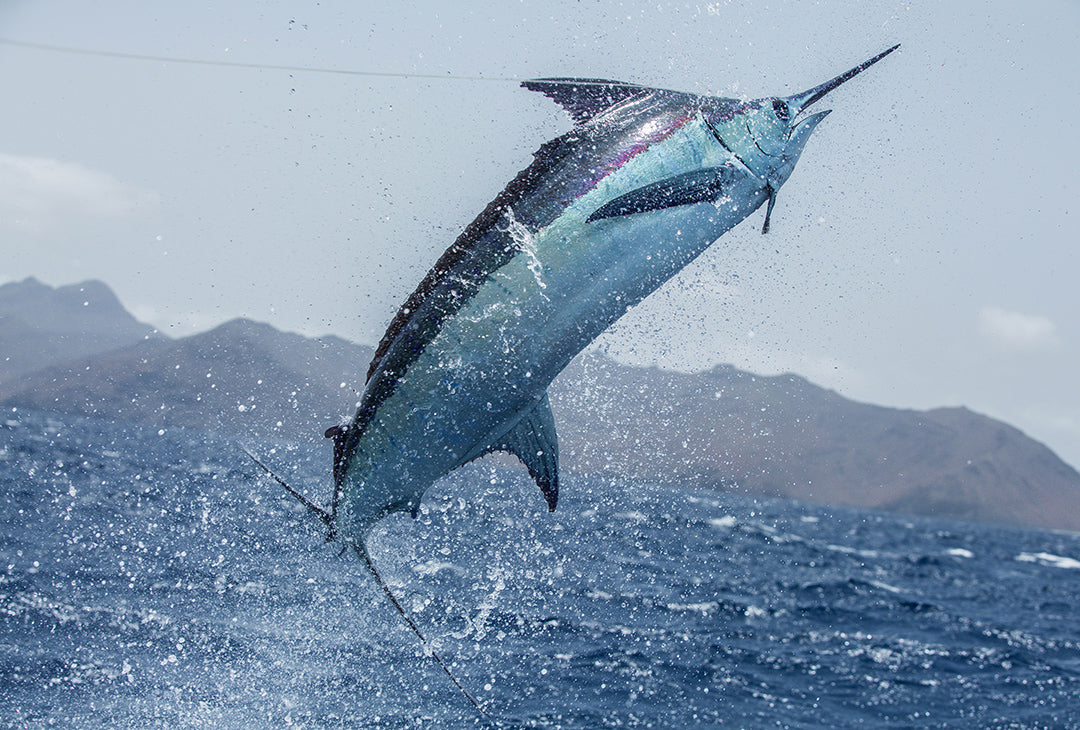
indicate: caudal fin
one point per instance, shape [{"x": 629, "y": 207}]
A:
[{"x": 319, "y": 512}]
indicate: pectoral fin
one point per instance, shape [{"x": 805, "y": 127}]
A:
[
  {"x": 699, "y": 186},
  {"x": 533, "y": 441}
]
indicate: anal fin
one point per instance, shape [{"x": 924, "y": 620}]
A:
[{"x": 533, "y": 440}]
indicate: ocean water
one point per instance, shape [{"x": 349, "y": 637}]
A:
[{"x": 154, "y": 579}]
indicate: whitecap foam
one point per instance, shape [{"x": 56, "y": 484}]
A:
[
  {"x": 432, "y": 567},
  {"x": 703, "y": 607},
  {"x": 868, "y": 554},
  {"x": 1054, "y": 561}
]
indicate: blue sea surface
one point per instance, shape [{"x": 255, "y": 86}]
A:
[{"x": 155, "y": 579}]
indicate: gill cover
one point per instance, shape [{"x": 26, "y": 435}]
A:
[{"x": 767, "y": 136}]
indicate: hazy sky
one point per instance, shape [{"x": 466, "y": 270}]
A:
[{"x": 924, "y": 253}]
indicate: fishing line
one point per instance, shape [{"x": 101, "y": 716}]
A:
[
  {"x": 241, "y": 64},
  {"x": 272, "y": 67}
]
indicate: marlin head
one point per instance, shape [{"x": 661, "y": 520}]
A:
[{"x": 768, "y": 135}]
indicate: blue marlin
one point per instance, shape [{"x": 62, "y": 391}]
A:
[
  {"x": 645, "y": 181},
  {"x": 641, "y": 185}
]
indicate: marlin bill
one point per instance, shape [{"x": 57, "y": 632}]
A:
[{"x": 642, "y": 184}]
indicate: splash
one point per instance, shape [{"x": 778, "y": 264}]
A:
[{"x": 525, "y": 240}]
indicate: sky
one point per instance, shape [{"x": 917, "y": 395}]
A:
[{"x": 305, "y": 163}]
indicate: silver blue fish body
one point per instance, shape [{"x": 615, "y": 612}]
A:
[{"x": 645, "y": 181}]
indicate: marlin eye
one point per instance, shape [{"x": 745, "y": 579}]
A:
[{"x": 783, "y": 113}]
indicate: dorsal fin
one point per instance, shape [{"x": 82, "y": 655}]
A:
[{"x": 584, "y": 99}]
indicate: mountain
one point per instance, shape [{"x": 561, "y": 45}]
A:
[
  {"x": 778, "y": 436},
  {"x": 242, "y": 377},
  {"x": 782, "y": 436},
  {"x": 42, "y": 326}
]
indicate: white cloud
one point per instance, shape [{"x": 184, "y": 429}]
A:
[
  {"x": 1017, "y": 331},
  {"x": 38, "y": 193}
]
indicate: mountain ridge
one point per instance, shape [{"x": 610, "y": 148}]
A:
[{"x": 775, "y": 436}]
